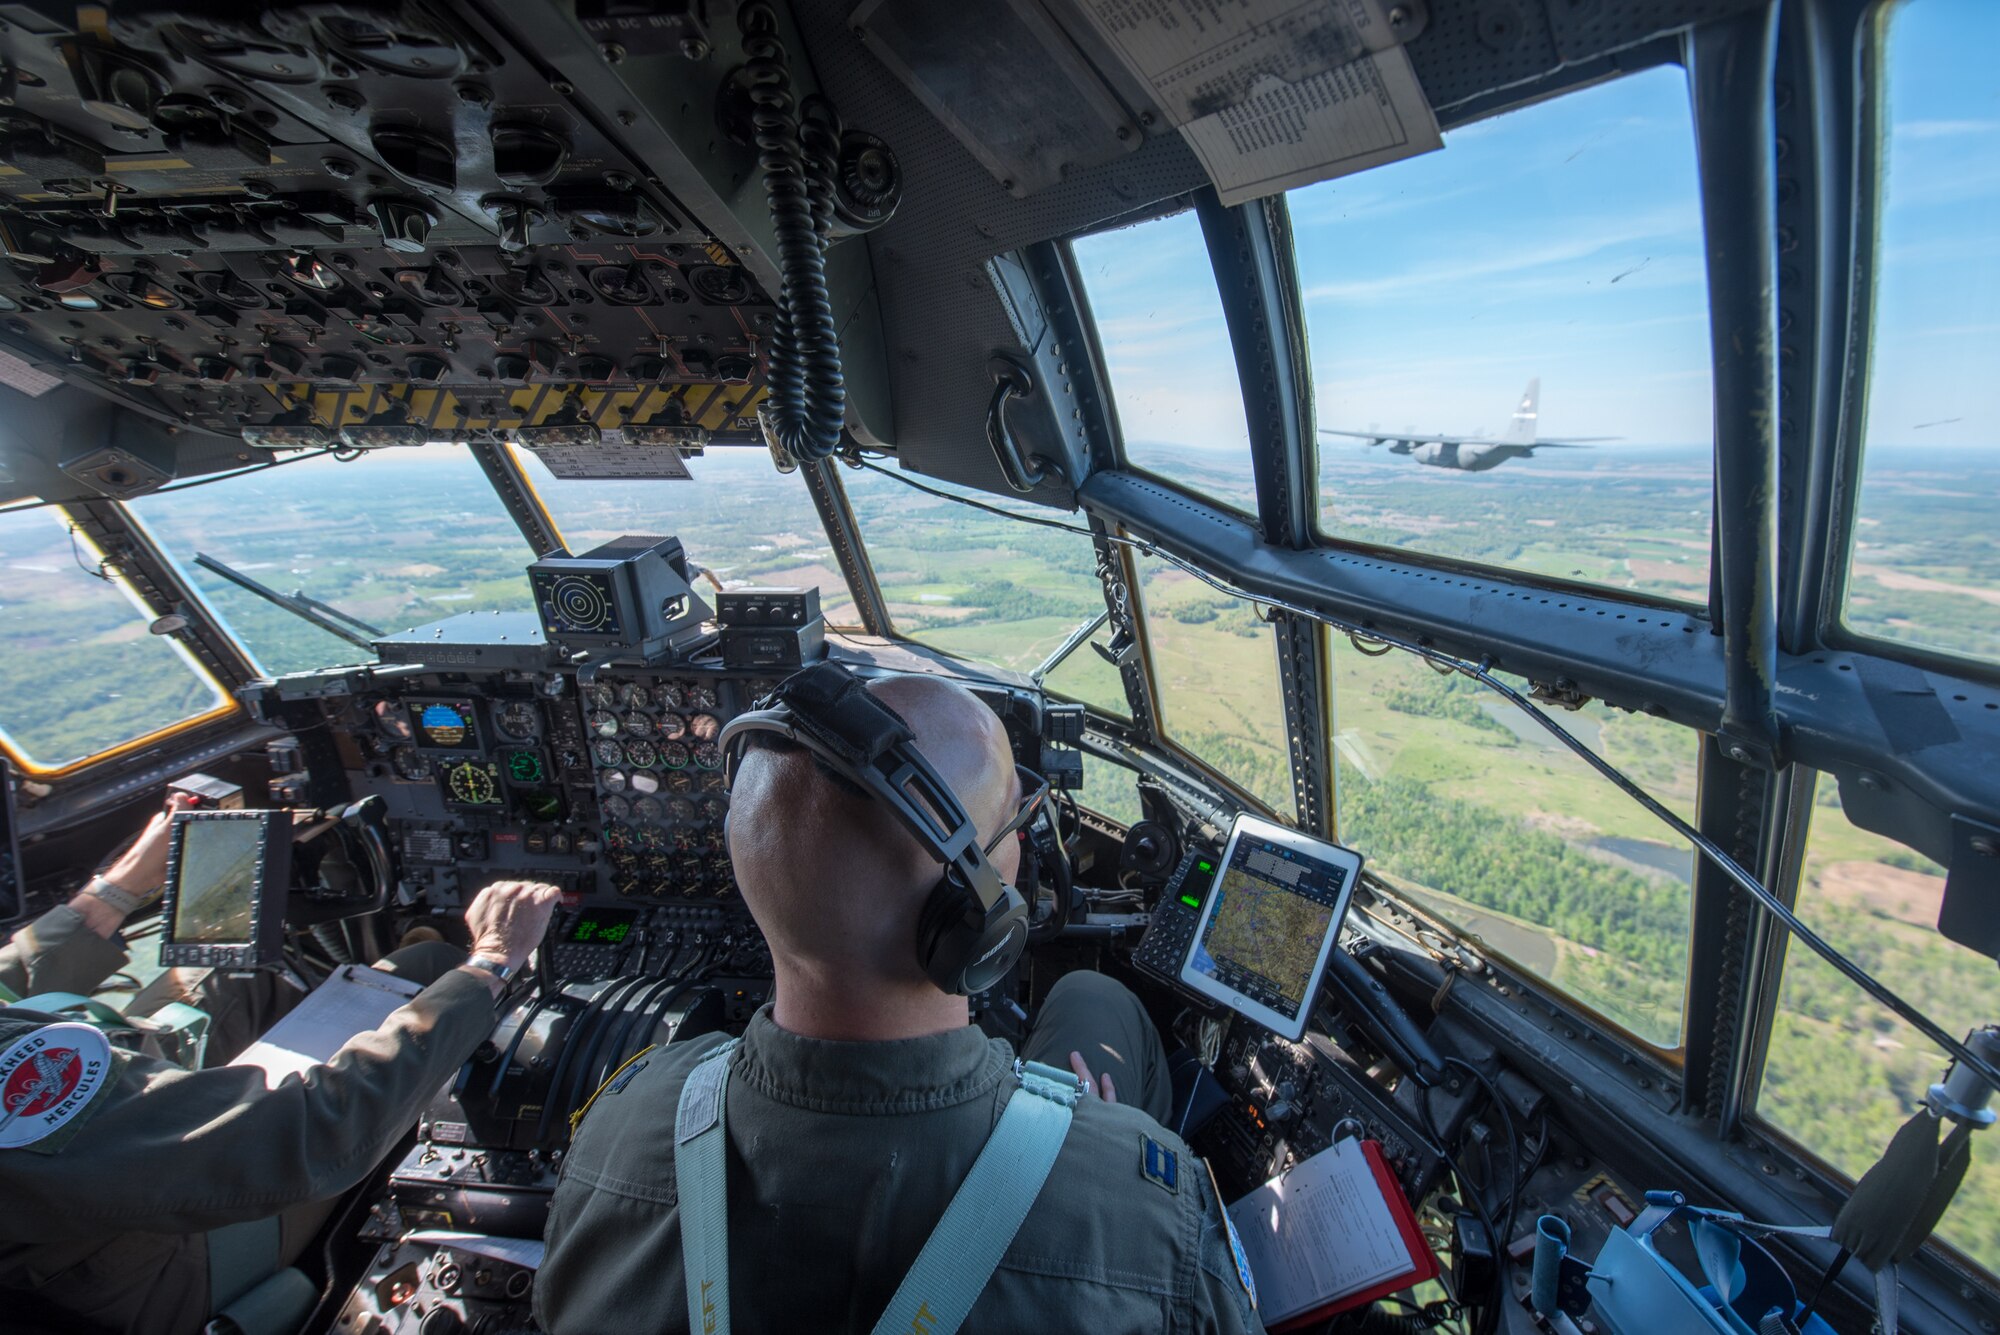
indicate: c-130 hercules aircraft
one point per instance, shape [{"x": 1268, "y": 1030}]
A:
[
  {"x": 447, "y": 443},
  {"x": 1476, "y": 454}
]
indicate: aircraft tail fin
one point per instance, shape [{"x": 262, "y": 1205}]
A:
[{"x": 1521, "y": 429}]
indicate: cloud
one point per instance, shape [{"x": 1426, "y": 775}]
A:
[{"x": 1942, "y": 129}]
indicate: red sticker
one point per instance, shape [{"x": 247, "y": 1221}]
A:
[{"x": 47, "y": 1078}]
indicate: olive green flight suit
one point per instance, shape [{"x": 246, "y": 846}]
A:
[
  {"x": 104, "y": 1229},
  {"x": 842, "y": 1158}
]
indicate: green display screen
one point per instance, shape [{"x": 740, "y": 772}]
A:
[
  {"x": 1199, "y": 879},
  {"x": 602, "y": 927}
]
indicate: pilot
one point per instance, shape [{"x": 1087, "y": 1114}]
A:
[
  {"x": 142, "y": 1198},
  {"x": 861, "y": 1096}
]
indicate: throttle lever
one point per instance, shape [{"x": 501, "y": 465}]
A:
[{"x": 1369, "y": 1005}]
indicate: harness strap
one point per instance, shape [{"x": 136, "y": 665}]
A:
[
  {"x": 701, "y": 1179},
  {"x": 963, "y": 1250}
]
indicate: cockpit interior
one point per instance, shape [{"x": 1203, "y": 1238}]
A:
[{"x": 439, "y": 419}]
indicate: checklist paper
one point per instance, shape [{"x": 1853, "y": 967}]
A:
[{"x": 1331, "y": 1233}]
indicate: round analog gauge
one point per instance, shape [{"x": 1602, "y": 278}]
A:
[
  {"x": 613, "y": 780},
  {"x": 669, "y": 696},
  {"x": 609, "y": 754},
  {"x": 672, "y": 726},
  {"x": 645, "y": 781},
  {"x": 705, "y": 727},
  {"x": 616, "y": 837},
  {"x": 647, "y": 810},
  {"x": 635, "y": 696},
  {"x": 659, "y": 865},
  {"x": 684, "y": 841},
  {"x": 520, "y": 720},
  {"x": 409, "y": 764},
  {"x": 639, "y": 725},
  {"x": 714, "y": 808},
  {"x": 651, "y": 840},
  {"x": 708, "y": 755},
  {"x": 680, "y": 783},
  {"x": 599, "y": 696},
  {"x": 714, "y": 783},
  {"x": 674, "y": 756},
  {"x": 617, "y": 808},
  {"x": 603, "y": 722},
  {"x": 680, "y": 811},
  {"x": 392, "y": 720},
  {"x": 641, "y": 754},
  {"x": 473, "y": 785},
  {"x": 701, "y": 697}
]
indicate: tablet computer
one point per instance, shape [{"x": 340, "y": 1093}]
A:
[{"x": 1270, "y": 923}]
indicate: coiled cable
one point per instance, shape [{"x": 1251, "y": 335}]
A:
[{"x": 798, "y": 150}]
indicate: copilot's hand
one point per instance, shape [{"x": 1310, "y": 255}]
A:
[
  {"x": 142, "y": 869},
  {"x": 508, "y": 919}
]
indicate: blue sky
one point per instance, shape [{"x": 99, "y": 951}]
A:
[{"x": 1564, "y": 241}]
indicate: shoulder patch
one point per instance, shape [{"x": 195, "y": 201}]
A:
[
  {"x": 1159, "y": 1165},
  {"x": 48, "y": 1078}
]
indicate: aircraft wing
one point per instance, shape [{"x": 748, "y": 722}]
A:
[{"x": 1569, "y": 442}]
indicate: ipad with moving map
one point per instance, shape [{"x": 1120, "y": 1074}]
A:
[{"x": 1270, "y": 923}]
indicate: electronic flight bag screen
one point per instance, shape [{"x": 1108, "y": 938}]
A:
[
  {"x": 1270, "y": 922},
  {"x": 226, "y": 887}
]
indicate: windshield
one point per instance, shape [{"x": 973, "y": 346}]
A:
[
  {"x": 395, "y": 539},
  {"x": 81, "y": 675},
  {"x": 1925, "y": 564},
  {"x": 739, "y": 518},
  {"x": 1541, "y": 280}
]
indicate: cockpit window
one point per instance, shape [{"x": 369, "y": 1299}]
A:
[
  {"x": 1509, "y": 343},
  {"x": 740, "y": 518},
  {"x": 1167, "y": 352},
  {"x": 1925, "y": 561},
  {"x": 1843, "y": 1073},
  {"x": 980, "y": 585},
  {"x": 394, "y": 540},
  {"x": 81, "y": 675},
  {"x": 1215, "y": 678},
  {"x": 1462, "y": 802}
]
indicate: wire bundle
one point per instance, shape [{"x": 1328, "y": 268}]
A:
[{"x": 798, "y": 150}]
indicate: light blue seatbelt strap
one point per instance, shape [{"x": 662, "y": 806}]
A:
[
  {"x": 963, "y": 1250},
  {"x": 966, "y": 1246},
  {"x": 701, "y": 1178}
]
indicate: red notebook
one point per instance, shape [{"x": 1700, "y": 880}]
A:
[{"x": 1331, "y": 1233}]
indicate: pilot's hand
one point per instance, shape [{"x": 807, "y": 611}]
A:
[
  {"x": 1101, "y": 1087},
  {"x": 508, "y": 919},
  {"x": 142, "y": 869}
]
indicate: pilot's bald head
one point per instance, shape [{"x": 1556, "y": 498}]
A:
[{"x": 832, "y": 879}]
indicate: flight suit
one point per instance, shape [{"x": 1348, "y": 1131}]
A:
[
  {"x": 842, "y": 1157},
  {"x": 103, "y": 1223}
]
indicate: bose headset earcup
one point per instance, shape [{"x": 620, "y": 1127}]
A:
[{"x": 964, "y": 949}]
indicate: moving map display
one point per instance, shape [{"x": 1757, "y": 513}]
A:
[{"x": 1270, "y": 920}]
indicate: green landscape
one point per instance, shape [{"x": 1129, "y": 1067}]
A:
[{"x": 1455, "y": 798}]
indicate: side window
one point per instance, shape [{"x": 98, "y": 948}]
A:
[
  {"x": 1509, "y": 343},
  {"x": 1925, "y": 564},
  {"x": 395, "y": 540},
  {"x": 1842, "y": 1073},
  {"x": 1215, "y": 676},
  {"x": 80, "y": 674},
  {"x": 1167, "y": 352},
  {"x": 1478, "y": 814}
]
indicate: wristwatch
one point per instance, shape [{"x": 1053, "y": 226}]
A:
[
  {"x": 123, "y": 901},
  {"x": 498, "y": 968}
]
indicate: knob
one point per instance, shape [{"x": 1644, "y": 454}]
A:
[
  {"x": 404, "y": 226},
  {"x": 1287, "y": 1090},
  {"x": 1281, "y": 1110},
  {"x": 1349, "y": 1128}
]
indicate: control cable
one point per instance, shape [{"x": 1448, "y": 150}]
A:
[{"x": 1481, "y": 673}]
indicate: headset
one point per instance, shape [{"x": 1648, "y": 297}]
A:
[{"x": 973, "y": 925}]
